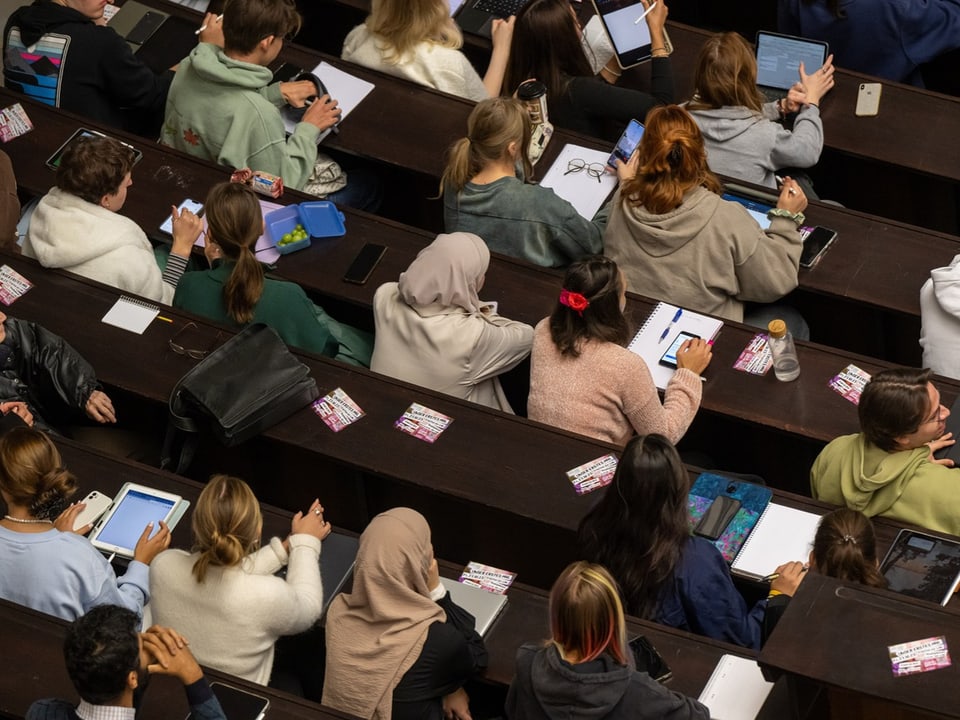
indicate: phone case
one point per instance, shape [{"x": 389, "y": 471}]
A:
[
  {"x": 868, "y": 99},
  {"x": 96, "y": 505},
  {"x": 715, "y": 520}
]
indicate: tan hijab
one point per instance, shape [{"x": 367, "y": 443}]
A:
[
  {"x": 447, "y": 273},
  {"x": 375, "y": 634}
]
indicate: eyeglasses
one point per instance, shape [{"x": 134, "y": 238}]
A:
[
  {"x": 191, "y": 353},
  {"x": 937, "y": 416},
  {"x": 594, "y": 170}
]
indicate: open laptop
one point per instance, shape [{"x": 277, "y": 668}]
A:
[
  {"x": 779, "y": 58},
  {"x": 477, "y": 16},
  {"x": 137, "y": 23},
  {"x": 484, "y": 605}
]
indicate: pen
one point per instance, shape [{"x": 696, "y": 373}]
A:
[
  {"x": 773, "y": 576},
  {"x": 335, "y": 129},
  {"x": 666, "y": 330},
  {"x": 645, "y": 13},
  {"x": 165, "y": 319},
  {"x": 220, "y": 19}
]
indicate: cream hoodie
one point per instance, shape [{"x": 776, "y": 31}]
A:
[{"x": 940, "y": 318}]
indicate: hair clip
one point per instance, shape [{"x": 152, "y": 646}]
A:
[
  {"x": 849, "y": 539},
  {"x": 676, "y": 156},
  {"x": 574, "y": 301}
]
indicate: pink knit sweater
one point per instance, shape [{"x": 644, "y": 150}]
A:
[{"x": 606, "y": 392}]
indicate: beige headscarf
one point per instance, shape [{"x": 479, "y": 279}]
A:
[
  {"x": 376, "y": 633},
  {"x": 446, "y": 273}
]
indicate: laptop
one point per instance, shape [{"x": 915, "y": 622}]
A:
[
  {"x": 477, "y": 16},
  {"x": 922, "y": 566},
  {"x": 779, "y": 58},
  {"x": 136, "y": 23},
  {"x": 338, "y": 555},
  {"x": 484, "y": 605}
]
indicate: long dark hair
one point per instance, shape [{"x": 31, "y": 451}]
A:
[
  {"x": 845, "y": 547},
  {"x": 546, "y": 46},
  {"x": 639, "y": 528},
  {"x": 597, "y": 278}
]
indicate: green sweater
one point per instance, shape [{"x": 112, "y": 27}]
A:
[
  {"x": 283, "y": 306},
  {"x": 226, "y": 110},
  {"x": 904, "y": 485}
]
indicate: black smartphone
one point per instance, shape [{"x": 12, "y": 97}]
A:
[
  {"x": 816, "y": 240},
  {"x": 146, "y": 27},
  {"x": 715, "y": 520},
  {"x": 669, "y": 358},
  {"x": 364, "y": 263},
  {"x": 648, "y": 660},
  {"x": 627, "y": 143}
]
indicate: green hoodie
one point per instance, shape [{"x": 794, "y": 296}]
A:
[
  {"x": 904, "y": 485},
  {"x": 226, "y": 110}
]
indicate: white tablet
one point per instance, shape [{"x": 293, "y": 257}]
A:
[{"x": 135, "y": 506}]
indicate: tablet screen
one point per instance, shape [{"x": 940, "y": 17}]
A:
[
  {"x": 631, "y": 39},
  {"x": 779, "y": 58},
  {"x": 127, "y": 521},
  {"x": 758, "y": 210}
]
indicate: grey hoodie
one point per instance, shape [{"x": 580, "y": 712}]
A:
[
  {"x": 742, "y": 144},
  {"x": 548, "y": 688},
  {"x": 940, "y": 317}
]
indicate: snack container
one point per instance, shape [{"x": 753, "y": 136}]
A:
[{"x": 320, "y": 218}]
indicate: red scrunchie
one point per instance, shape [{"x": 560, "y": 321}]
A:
[{"x": 574, "y": 301}]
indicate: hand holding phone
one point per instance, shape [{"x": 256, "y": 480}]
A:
[{"x": 627, "y": 144}]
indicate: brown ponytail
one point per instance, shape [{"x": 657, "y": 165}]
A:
[
  {"x": 673, "y": 161},
  {"x": 226, "y": 524},
  {"x": 234, "y": 222},
  {"x": 491, "y": 127},
  {"x": 32, "y": 473},
  {"x": 845, "y": 547}
]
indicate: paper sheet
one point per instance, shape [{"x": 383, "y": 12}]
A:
[
  {"x": 736, "y": 689},
  {"x": 348, "y": 90},
  {"x": 131, "y": 314},
  {"x": 782, "y": 535},
  {"x": 586, "y": 193}
]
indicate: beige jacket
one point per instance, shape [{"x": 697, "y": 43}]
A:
[
  {"x": 708, "y": 255},
  {"x": 447, "y": 349}
]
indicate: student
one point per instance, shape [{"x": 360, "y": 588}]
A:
[
  {"x": 419, "y": 41},
  {"x": 97, "y": 75},
  {"x": 584, "y": 379},
  {"x": 640, "y": 531},
  {"x": 888, "y": 468},
  {"x": 433, "y": 330},
  {"x": 585, "y": 670},
  {"x": 485, "y": 192},
  {"x": 397, "y": 646},
  {"x": 235, "y": 290},
  {"x": 224, "y": 596},
  {"x": 677, "y": 240},
  {"x": 845, "y": 547},
  {"x": 77, "y": 226},
  {"x": 877, "y": 37},
  {"x": 44, "y": 563},
  {"x": 222, "y": 106},
  {"x": 547, "y": 45},
  {"x": 743, "y": 136},
  {"x": 109, "y": 663},
  {"x": 940, "y": 320}
]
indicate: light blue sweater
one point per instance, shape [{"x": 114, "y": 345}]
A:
[{"x": 62, "y": 574}]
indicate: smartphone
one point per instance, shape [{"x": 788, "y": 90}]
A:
[
  {"x": 648, "y": 660},
  {"x": 627, "y": 143},
  {"x": 145, "y": 28},
  {"x": 868, "y": 99},
  {"x": 188, "y": 204},
  {"x": 96, "y": 505},
  {"x": 816, "y": 240},
  {"x": 715, "y": 520},
  {"x": 669, "y": 358},
  {"x": 239, "y": 704},
  {"x": 364, "y": 263},
  {"x": 630, "y": 39}
]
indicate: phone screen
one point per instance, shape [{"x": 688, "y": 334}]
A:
[
  {"x": 188, "y": 204},
  {"x": 364, "y": 263},
  {"x": 814, "y": 243},
  {"x": 627, "y": 143},
  {"x": 669, "y": 358}
]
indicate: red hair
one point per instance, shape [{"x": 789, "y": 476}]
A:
[{"x": 586, "y": 615}]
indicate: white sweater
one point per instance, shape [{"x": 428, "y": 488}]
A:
[
  {"x": 233, "y": 618},
  {"x": 70, "y": 233},
  {"x": 429, "y": 64},
  {"x": 940, "y": 318}
]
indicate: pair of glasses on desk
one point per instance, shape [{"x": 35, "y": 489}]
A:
[
  {"x": 594, "y": 170},
  {"x": 179, "y": 349}
]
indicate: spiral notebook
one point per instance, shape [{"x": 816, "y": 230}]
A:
[
  {"x": 131, "y": 314},
  {"x": 647, "y": 343},
  {"x": 782, "y": 534},
  {"x": 736, "y": 690}
]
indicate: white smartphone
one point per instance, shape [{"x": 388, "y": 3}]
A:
[
  {"x": 868, "y": 99},
  {"x": 96, "y": 505},
  {"x": 188, "y": 204}
]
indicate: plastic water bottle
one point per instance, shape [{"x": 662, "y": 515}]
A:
[{"x": 786, "y": 364}]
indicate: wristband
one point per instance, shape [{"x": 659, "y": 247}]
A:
[
  {"x": 773, "y": 594},
  {"x": 799, "y": 218}
]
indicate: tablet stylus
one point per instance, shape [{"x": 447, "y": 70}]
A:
[{"x": 645, "y": 13}]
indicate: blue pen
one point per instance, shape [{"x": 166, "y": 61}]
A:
[{"x": 666, "y": 330}]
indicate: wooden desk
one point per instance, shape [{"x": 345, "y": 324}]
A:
[{"x": 836, "y": 634}]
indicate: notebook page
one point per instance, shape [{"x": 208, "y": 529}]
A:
[
  {"x": 348, "y": 90},
  {"x": 736, "y": 689},
  {"x": 783, "y": 534},
  {"x": 647, "y": 344},
  {"x": 584, "y": 192},
  {"x": 131, "y": 314}
]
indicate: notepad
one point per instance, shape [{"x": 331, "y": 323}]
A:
[
  {"x": 348, "y": 90},
  {"x": 131, "y": 314},
  {"x": 782, "y": 534},
  {"x": 647, "y": 344},
  {"x": 585, "y": 192},
  {"x": 736, "y": 690}
]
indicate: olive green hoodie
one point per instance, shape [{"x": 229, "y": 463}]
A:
[{"x": 904, "y": 485}]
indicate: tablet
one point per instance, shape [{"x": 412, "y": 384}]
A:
[
  {"x": 135, "y": 506},
  {"x": 53, "y": 162},
  {"x": 630, "y": 39}
]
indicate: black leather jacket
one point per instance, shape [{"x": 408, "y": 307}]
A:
[{"x": 42, "y": 370}]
